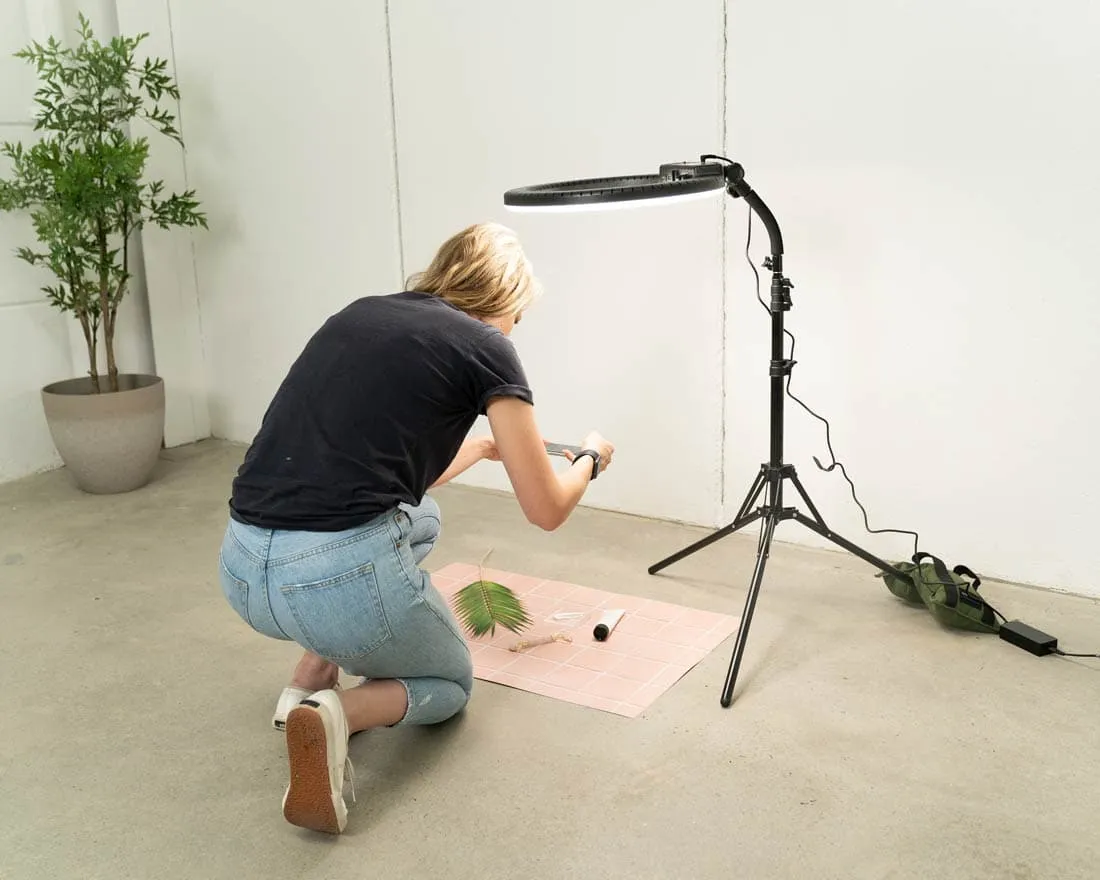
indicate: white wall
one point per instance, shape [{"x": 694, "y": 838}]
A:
[
  {"x": 34, "y": 342},
  {"x": 286, "y": 114},
  {"x": 627, "y": 340},
  {"x": 933, "y": 167},
  {"x": 928, "y": 164},
  {"x": 38, "y": 345},
  {"x": 293, "y": 247}
]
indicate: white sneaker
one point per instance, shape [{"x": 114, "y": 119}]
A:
[
  {"x": 317, "y": 749},
  {"x": 288, "y": 699}
]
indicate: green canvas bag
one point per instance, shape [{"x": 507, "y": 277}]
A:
[{"x": 953, "y": 600}]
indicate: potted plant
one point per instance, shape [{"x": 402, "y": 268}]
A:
[{"x": 82, "y": 182}]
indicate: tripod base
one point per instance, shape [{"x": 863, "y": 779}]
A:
[{"x": 772, "y": 479}]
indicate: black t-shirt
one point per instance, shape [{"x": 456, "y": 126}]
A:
[{"x": 372, "y": 412}]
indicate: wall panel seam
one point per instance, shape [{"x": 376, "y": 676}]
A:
[{"x": 396, "y": 160}]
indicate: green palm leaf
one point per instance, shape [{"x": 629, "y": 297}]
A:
[{"x": 482, "y": 605}]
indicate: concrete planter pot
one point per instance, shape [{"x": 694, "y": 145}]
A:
[{"x": 109, "y": 441}]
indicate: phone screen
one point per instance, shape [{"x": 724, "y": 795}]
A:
[{"x": 561, "y": 449}]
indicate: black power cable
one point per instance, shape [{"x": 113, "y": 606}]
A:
[{"x": 834, "y": 464}]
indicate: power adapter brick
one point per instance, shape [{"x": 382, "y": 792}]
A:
[{"x": 1029, "y": 638}]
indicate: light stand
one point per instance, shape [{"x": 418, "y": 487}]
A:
[{"x": 689, "y": 180}]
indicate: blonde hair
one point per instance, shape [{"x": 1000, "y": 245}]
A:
[{"x": 481, "y": 270}]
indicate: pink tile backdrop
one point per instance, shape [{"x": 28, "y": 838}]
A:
[{"x": 651, "y": 649}]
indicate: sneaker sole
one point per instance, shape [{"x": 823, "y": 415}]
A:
[{"x": 308, "y": 802}]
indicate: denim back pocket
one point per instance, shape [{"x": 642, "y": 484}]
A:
[
  {"x": 341, "y": 617},
  {"x": 235, "y": 590}
]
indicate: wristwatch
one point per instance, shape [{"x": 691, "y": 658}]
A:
[{"x": 595, "y": 460}]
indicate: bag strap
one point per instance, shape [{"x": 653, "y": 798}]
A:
[
  {"x": 989, "y": 613},
  {"x": 963, "y": 571},
  {"x": 951, "y": 589}
]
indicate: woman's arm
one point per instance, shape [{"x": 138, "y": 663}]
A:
[
  {"x": 473, "y": 450},
  {"x": 546, "y": 497}
]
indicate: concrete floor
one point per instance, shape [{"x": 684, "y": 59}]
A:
[{"x": 865, "y": 742}]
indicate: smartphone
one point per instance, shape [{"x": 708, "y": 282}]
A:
[{"x": 561, "y": 449}]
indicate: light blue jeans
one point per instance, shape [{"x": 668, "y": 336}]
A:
[{"x": 359, "y": 599}]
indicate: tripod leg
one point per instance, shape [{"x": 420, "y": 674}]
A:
[
  {"x": 817, "y": 524},
  {"x": 746, "y": 520},
  {"x": 806, "y": 497},
  {"x": 854, "y": 549},
  {"x": 754, "y": 493},
  {"x": 743, "y": 518},
  {"x": 762, "y": 554}
]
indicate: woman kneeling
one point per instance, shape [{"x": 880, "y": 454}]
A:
[{"x": 330, "y": 521}]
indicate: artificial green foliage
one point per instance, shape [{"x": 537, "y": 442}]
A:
[
  {"x": 483, "y": 605},
  {"x": 82, "y": 177}
]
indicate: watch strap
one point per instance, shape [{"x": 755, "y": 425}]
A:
[{"x": 595, "y": 456}]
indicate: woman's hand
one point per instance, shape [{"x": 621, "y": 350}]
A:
[
  {"x": 547, "y": 498},
  {"x": 597, "y": 443},
  {"x": 488, "y": 448},
  {"x": 473, "y": 450}
]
